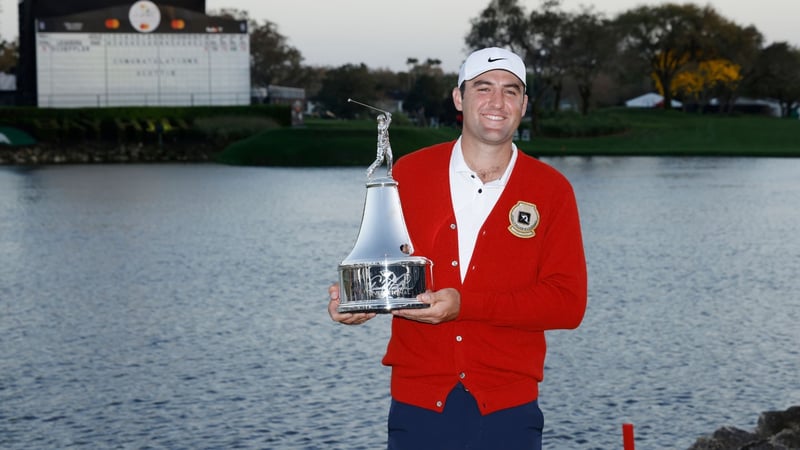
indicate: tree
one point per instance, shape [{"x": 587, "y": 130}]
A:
[
  {"x": 429, "y": 86},
  {"x": 501, "y": 24},
  {"x": 391, "y": 85},
  {"x": 587, "y": 46},
  {"x": 424, "y": 101},
  {"x": 344, "y": 82},
  {"x": 741, "y": 46},
  {"x": 728, "y": 56},
  {"x": 777, "y": 75},
  {"x": 272, "y": 59},
  {"x": 702, "y": 80},
  {"x": 9, "y": 55},
  {"x": 536, "y": 38},
  {"x": 544, "y": 51},
  {"x": 668, "y": 37},
  {"x": 235, "y": 14}
]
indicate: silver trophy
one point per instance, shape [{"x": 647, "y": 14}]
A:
[{"x": 380, "y": 274}]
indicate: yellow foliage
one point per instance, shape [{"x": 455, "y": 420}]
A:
[
  {"x": 689, "y": 82},
  {"x": 669, "y": 60},
  {"x": 695, "y": 79}
]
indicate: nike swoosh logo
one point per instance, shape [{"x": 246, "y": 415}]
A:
[{"x": 491, "y": 60}]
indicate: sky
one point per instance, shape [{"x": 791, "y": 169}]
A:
[{"x": 384, "y": 34}]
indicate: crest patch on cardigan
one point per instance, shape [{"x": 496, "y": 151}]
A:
[{"x": 524, "y": 218}]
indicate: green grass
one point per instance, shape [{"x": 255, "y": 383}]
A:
[
  {"x": 637, "y": 133},
  {"x": 231, "y": 128},
  {"x": 674, "y": 133},
  {"x": 328, "y": 143}
]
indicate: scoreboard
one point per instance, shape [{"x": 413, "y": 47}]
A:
[{"x": 141, "y": 54}]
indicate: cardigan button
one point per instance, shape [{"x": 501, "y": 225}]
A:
[
  {"x": 452, "y": 226},
  {"x": 454, "y": 263},
  {"x": 439, "y": 404},
  {"x": 462, "y": 375},
  {"x": 459, "y": 339}
]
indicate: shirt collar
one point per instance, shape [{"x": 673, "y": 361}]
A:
[{"x": 459, "y": 165}]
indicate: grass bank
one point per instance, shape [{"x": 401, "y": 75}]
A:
[
  {"x": 328, "y": 143},
  {"x": 641, "y": 133},
  {"x": 674, "y": 133}
]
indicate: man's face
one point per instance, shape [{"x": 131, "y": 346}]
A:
[{"x": 493, "y": 104}]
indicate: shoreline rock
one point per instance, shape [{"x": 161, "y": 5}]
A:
[
  {"x": 107, "y": 153},
  {"x": 776, "y": 430}
]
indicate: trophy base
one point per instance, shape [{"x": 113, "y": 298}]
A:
[
  {"x": 383, "y": 286},
  {"x": 381, "y": 306}
]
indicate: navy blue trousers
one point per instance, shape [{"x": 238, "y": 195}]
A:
[{"x": 461, "y": 426}]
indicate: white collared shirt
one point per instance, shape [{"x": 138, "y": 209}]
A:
[{"x": 472, "y": 201}]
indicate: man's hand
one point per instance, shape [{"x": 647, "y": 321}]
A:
[
  {"x": 345, "y": 318},
  {"x": 445, "y": 306}
]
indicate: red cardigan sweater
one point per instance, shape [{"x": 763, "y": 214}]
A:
[{"x": 522, "y": 280}]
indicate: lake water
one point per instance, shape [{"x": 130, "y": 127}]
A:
[{"x": 184, "y": 307}]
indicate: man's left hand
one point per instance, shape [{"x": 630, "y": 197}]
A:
[{"x": 445, "y": 306}]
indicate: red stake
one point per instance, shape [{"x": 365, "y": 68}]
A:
[{"x": 627, "y": 436}]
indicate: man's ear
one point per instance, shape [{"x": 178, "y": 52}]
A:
[{"x": 457, "y": 99}]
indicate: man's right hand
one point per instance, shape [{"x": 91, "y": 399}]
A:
[{"x": 345, "y": 318}]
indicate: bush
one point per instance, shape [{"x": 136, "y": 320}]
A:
[
  {"x": 231, "y": 128},
  {"x": 134, "y": 124},
  {"x": 563, "y": 125}
]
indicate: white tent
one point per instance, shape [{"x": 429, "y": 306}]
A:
[
  {"x": 8, "y": 82},
  {"x": 771, "y": 105},
  {"x": 649, "y": 100}
]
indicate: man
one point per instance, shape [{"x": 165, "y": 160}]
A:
[{"x": 503, "y": 232}]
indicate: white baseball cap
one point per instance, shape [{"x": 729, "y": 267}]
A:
[{"x": 492, "y": 58}]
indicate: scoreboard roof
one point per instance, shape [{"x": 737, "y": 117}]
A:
[
  {"x": 54, "y": 8},
  {"x": 140, "y": 17}
]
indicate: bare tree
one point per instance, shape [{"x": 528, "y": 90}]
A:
[
  {"x": 777, "y": 76},
  {"x": 588, "y": 48},
  {"x": 535, "y": 37}
]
